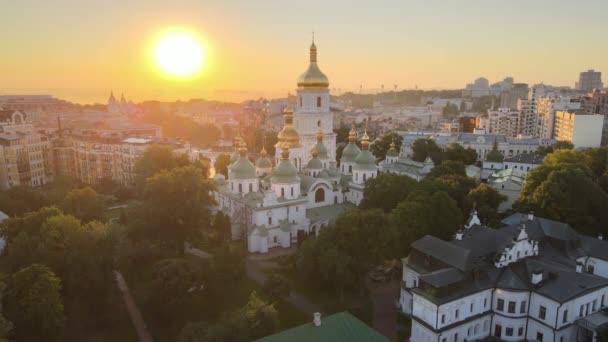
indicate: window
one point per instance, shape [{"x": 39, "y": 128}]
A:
[
  {"x": 240, "y": 187},
  {"x": 291, "y": 191},
  {"x": 594, "y": 305},
  {"x": 590, "y": 269},
  {"x": 500, "y": 304},
  {"x": 282, "y": 192},
  {"x": 270, "y": 221},
  {"x": 565, "y": 316},
  {"x": 456, "y": 313},
  {"x": 542, "y": 312},
  {"x": 471, "y": 307},
  {"x": 319, "y": 101},
  {"x": 364, "y": 177},
  {"x": 442, "y": 318},
  {"x": 520, "y": 331},
  {"x": 300, "y": 101},
  {"x": 522, "y": 307},
  {"x": 511, "y": 307},
  {"x": 539, "y": 336},
  {"x": 456, "y": 337},
  {"x": 250, "y": 187},
  {"x": 581, "y": 311},
  {"x": 509, "y": 331},
  {"x": 485, "y": 303},
  {"x": 350, "y": 168},
  {"x": 497, "y": 330},
  {"x": 319, "y": 195}
]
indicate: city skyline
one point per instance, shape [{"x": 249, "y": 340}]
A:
[{"x": 253, "y": 51}]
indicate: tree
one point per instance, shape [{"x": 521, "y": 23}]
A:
[
  {"x": 565, "y": 157},
  {"x": 426, "y": 212},
  {"x": 448, "y": 168},
  {"x": 276, "y": 286},
  {"x": 262, "y": 316},
  {"x": 486, "y": 200},
  {"x": 21, "y": 199},
  {"x": 383, "y": 144},
  {"x": 222, "y": 227},
  {"x": 29, "y": 224},
  {"x": 565, "y": 193},
  {"x": 155, "y": 159},
  {"x": 84, "y": 204},
  {"x": 342, "y": 134},
  {"x": 221, "y": 164},
  {"x": 231, "y": 327},
  {"x": 456, "y": 152},
  {"x": 229, "y": 262},
  {"x": 176, "y": 205},
  {"x": 386, "y": 191},
  {"x": 558, "y": 145},
  {"x": 34, "y": 304},
  {"x": 456, "y": 186},
  {"x": 426, "y": 147}
]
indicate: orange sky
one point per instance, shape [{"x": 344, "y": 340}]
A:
[{"x": 80, "y": 50}]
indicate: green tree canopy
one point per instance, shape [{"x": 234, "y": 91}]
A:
[
  {"x": 383, "y": 144},
  {"x": 221, "y": 164},
  {"x": 426, "y": 213},
  {"x": 157, "y": 158},
  {"x": 21, "y": 199},
  {"x": 486, "y": 200},
  {"x": 425, "y": 147},
  {"x": 34, "y": 304},
  {"x": 85, "y": 204},
  {"x": 456, "y": 152},
  {"x": 558, "y": 145},
  {"x": 448, "y": 168},
  {"x": 386, "y": 191}
]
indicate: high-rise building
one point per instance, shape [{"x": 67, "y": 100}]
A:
[
  {"x": 596, "y": 102},
  {"x": 509, "y": 98},
  {"x": 546, "y": 108},
  {"x": 502, "y": 121},
  {"x": 589, "y": 80},
  {"x": 580, "y": 128},
  {"x": 480, "y": 87}
]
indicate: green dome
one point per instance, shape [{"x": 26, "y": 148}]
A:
[
  {"x": 365, "y": 161},
  {"x": 315, "y": 164},
  {"x": 321, "y": 150},
  {"x": 234, "y": 157},
  {"x": 284, "y": 172},
  {"x": 324, "y": 174},
  {"x": 392, "y": 152},
  {"x": 242, "y": 169},
  {"x": 333, "y": 172},
  {"x": 350, "y": 153},
  {"x": 263, "y": 163}
]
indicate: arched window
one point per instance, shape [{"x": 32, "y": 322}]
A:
[
  {"x": 319, "y": 101},
  {"x": 240, "y": 187},
  {"x": 282, "y": 192},
  {"x": 336, "y": 200},
  {"x": 364, "y": 177},
  {"x": 319, "y": 195},
  {"x": 350, "y": 168},
  {"x": 250, "y": 187},
  {"x": 270, "y": 221},
  {"x": 291, "y": 191},
  {"x": 300, "y": 101}
]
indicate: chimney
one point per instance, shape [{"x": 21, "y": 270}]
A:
[
  {"x": 600, "y": 236},
  {"x": 537, "y": 277},
  {"x": 531, "y": 216},
  {"x": 579, "y": 267},
  {"x": 459, "y": 235},
  {"x": 316, "y": 319}
]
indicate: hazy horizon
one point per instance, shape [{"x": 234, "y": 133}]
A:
[{"x": 259, "y": 49}]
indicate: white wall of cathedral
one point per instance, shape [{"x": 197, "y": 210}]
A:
[
  {"x": 361, "y": 176},
  {"x": 354, "y": 196},
  {"x": 296, "y": 155},
  {"x": 346, "y": 168},
  {"x": 314, "y": 101},
  {"x": 322, "y": 194},
  {"x": 243, "y": 186},
  {"x": 286, "y": 190},
  {"x": 275, "y": 238},
  {"x": 294, "y": 213}
]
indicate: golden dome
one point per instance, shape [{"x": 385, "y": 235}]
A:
[
  {"x": 313, "y": 77},
  {"x": 365, "y": 141},
  {"x": 288, "y": 137}
]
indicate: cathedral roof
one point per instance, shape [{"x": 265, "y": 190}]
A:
[
  {"x": 263, "y": 161},
  {"x": 288, "y": 136},
  {"x": 351, "y": 151},
  {"x": 392, "y": 152},
  {"x": 285, "y": 171},
  {"x": 314, "y": 164},
  {"x": 365, "y": 160},
  {"x": 242, "y": 168},
  {"x": 313, "y": 77},
  {"x": 319, "y": 148}
]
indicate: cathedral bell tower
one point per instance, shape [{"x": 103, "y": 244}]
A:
[{"x": 312, "y": 108}]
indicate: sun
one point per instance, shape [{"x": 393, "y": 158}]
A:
[{"x": 179, "y": 54}]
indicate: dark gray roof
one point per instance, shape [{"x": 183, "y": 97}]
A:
[
  {"x": 539, "y": 227},
  {"x": 594, "y": 247},
  {"x": 444, "y": 251},
  {"x": 526, "y": 158},
  {"x": 443, "y": 277}
]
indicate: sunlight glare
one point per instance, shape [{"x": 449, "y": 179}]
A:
[{"x": 179, "y": 54}]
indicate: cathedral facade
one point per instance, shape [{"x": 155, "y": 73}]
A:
[{"x": 302, "y": 189}]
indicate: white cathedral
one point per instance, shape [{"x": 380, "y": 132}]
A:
[{"x": 304, "y": 191}]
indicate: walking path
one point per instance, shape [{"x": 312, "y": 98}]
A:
[
  {"x": 134, "y": 313},
  {"x": 385, "y": 312}
]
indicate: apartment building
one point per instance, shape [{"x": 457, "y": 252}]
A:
[{"x": 582, "y": 129}]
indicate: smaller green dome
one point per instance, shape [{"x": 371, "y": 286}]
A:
[
  {"x": 321, "y": 150},
  {"x": 315, "y": 164},
  {"x": 242, "y": 169},
  {"x": 333, "y": 172},
  {"x": 263, "y": 163},
  {"x": 284, "y": 172},
  {"x": 234, "y": 157},
  {"x": 350, "y": 153},
  {"x": 392, "y": 152},
  {"x": 365, "y": 161},
  {"x": 324, "y": 174}
]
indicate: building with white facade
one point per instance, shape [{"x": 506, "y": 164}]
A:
[
  {"x": 580, "y": 128},
  {"x": 304, "y": 191},
  {"x": 524, "y": 281},
  {"x": 546, "y": 108},
  {"x": 504, "y": 121}
]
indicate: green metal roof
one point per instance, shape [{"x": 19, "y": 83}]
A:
[
  {"x": 321, "y": 150},
  {"x": 365, "y": 161},
  {"x": 242, "y": 169},
  {"x": 234, "y": 157},
  {"x": 350, "y": 152},
  {"x": 314, "y": 164},
  {"x": 339, "y": 327},
  {"x": 263, "y": 163},
  {"x": 392, "y": 152},
  {"x": 284, "y": 172}
]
